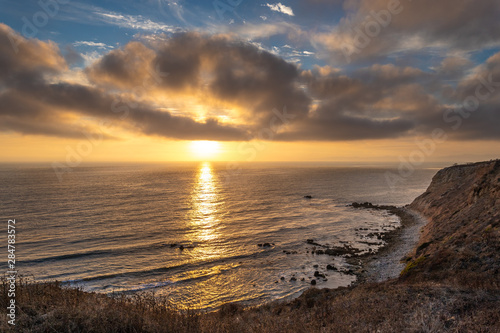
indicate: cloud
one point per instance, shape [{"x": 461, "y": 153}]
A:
[
  {"x": 477, "y": 108},
  {"x": 33, "y": 104},
  {"x": 345, "y": 127},
  {"x": 373, "y": 29},
  {"x": 85, "y": 13},
  {"x": 72, "y": 56},
  {"x": 26, "y": 58},
  {"x": 195, "y": 86},
  {"x": 281, "y": 8},
  {"x": 264, "y": 30},
  {"x": 214, "y": 69},
  {"x": 92, "y": 44},
  {"x": 454, "y": 67},
  {"x": 132, "y": 21},
  {"x": 122, "y": 67}
]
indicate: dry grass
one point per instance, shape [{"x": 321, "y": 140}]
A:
[{"x": 393, "y": 306}]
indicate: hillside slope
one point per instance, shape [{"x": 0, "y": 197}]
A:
[{"x": 460, "y": 244}]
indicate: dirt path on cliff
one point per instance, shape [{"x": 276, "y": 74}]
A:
[{"x": 386, "y": 264}]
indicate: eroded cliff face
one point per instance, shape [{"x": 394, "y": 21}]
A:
[{"x": 461, "y": 240}]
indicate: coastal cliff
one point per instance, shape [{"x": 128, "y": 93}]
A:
[{"x": 460, "y": 243}]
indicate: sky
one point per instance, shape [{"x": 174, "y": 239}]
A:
[{"x": 385, "y": 81}]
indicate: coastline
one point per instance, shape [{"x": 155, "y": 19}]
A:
[
  {"x": 388, "y": 262},
  {"x": 450, "y": 281}
]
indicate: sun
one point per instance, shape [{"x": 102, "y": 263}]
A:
[{"x": 204, "y": 149}]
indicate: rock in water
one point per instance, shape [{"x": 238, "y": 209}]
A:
[{"x": 318, "y": 274}]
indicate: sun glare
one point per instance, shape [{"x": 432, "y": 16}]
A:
[{"x": 205, "y": 149}]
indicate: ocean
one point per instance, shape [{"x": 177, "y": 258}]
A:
[{"x": 188, "y": 232}]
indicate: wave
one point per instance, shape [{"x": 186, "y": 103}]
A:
[
  {"x": 152, "y": 285},
  {"x": 93, "y": 253},
  {"x": 200, "y": 268}
]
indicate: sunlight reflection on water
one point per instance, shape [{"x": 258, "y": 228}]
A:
[{"x": 205, "y": 215}]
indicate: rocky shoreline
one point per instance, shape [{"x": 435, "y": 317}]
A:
[
  {"x": 390, "y": 259},
  {"x": 387, "y": 259}
]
